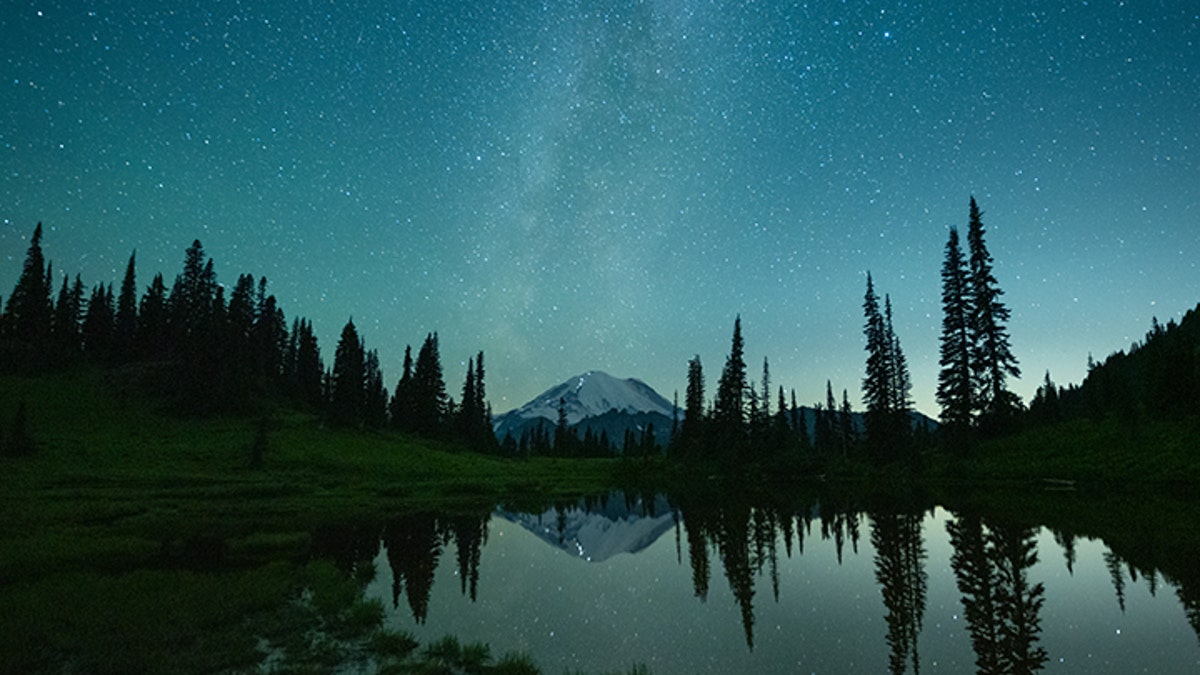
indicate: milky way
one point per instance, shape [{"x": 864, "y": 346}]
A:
[{"x": 605, "y": 185}]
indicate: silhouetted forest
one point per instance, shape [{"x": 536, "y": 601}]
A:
[
  {"x": 747, "y": 425},
  {"x": 203, "y": 351},
  {"x": 1158, "y": 378},
  {"x": 976, "y": 362}
]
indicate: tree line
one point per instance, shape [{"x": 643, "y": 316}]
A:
[
  {"x": 740, "y": 426},
  {"x": 207, "y": 351},
  {"x": 231, "y": 352},
  {"x": 1157, "y": 379},
  {"x": 975, "y": 357},
  {"x": 559, "y": 439}
]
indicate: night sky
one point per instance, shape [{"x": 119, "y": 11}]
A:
[{"x": 605, "y": 185}]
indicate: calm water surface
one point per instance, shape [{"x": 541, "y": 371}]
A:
[{"x": 703, "y": 589}]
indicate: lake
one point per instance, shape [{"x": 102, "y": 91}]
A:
[{"x": 702, "y": 586}]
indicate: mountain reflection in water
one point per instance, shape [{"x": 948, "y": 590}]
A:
[
  {"x": 819, "y": 585},
  {"x": 602, "y": 529}
]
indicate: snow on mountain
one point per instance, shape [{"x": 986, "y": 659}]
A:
[
  {"x": 588, "y": 395},
  {"x": 595, "y": 535}
]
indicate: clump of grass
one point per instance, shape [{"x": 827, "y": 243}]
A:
[{"x": 392, "y": 645}]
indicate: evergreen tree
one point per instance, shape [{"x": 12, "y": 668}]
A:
[
  {"x": 691, "y": 431},
  {"x": 729, "y": 414},
  {"x": 152, "y": 325},
  {"x": 375, "y": 394},
  {"x": 347, "y": 383},
  {"x": 799, "y": 424},
  {"x": 402, "y": 413},
  {"x": 766, "y": 389},
  {"x": 901, "y": 405},
  {"x": 992, "y": 358},
  {"x": 832, "y": 426},
  {"x": 125, "y": 328},
  {"x": 197, "y": 321},
  {"x": 468, "y": 421},
  {"x": 563, "y": 447},
  {"x": 674, "y": 418},
  {"x": 760, "y": 426},
  {"x": 1044, "y": 408},
  {"x": 239, "y": 361},
  {"x": 820, "y": 430},
  {"x": 509, "y": 446},
  {"x": 267, "y": 344},
  {"x": 192, "y": 295},
  {"x": 428, "y": 389},
  {"x": 753, "y": 416},
  {"x": 241, "y": 315},
  {"x": 290, "y": 354},
  {"x": 649, "y": 444},
  {"x": 68, "y": 317},
  {"x": 846, "y": 424},
  {"x": 630, "y": 443},
  {"x": 782, "y": 437},
  {"x": 308, "y": 370},
  {"x": 475, "y": 424},
  {"x": 955, "y": 391},
  {"x": 887, "y": 386},
  {"x": 28, "y": 312},
  {"x": 485, "y": 438},
  {"x": 98, "y": 324},
  {"x": 877, "y": 394}
]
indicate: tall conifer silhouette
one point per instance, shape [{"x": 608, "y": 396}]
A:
[
  {"x": 955, "y": 393},
  {"x": 348, "y": 381},
  {"x": 992, "y": 360},
  {"x": 27, "y": 314},
  {"x": 125, "y": 328},
  {"x": 729, "y": 413}
]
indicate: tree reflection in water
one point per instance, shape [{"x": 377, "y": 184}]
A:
[
  {"x": 414, "y": 544},
  {"x": 746, "y": 540},
  {"x": 991, "y": 562},
  {"x": 900, "y": 570}
]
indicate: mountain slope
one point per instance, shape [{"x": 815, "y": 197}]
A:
[{"x": 593, "y": 394}]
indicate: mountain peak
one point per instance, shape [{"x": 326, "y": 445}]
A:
[{"x": 593, "y": 393}]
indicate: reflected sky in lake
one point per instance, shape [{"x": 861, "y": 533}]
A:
[{"x": 828, "y": 615}]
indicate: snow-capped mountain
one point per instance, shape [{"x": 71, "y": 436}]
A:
[
  {"x": 590, "y": 395},
  {"x": 595, "y": 535}
]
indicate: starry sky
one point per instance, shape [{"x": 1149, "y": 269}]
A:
[{"x": 604, "y": 185}]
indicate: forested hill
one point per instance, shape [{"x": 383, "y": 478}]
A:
[{"x": 1158, "y": 378}]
